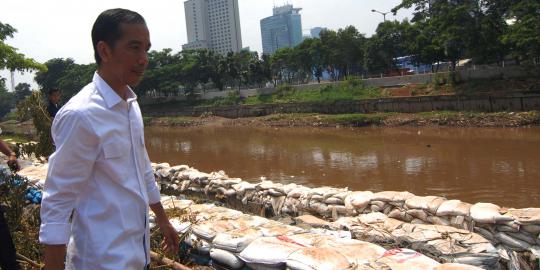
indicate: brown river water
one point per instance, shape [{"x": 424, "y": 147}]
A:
[{"x": 495, "y": 165}]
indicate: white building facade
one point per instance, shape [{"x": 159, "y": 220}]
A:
[{"x": 213, "y": 25}]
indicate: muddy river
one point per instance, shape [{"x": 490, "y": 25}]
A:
[{"x": 471, "y": 164}]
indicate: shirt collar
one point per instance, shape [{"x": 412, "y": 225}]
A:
[{"x": 109, "y": 95}]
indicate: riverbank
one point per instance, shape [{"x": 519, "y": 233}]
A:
[{"x": 427, "y": 119}]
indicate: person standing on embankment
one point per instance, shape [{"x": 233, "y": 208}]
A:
[{"x": 100, "y": 170}]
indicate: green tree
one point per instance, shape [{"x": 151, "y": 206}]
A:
[
  {"x": 65, "y": 75},
  {"x": 524, "y": 34},
  {"x": 391, "y": 40},
  {"x": 12, "y": 60},
  {"x": 6, "y": 99},
  {"x": 56, "y": 69},
  {"x": 22, "y": 90}
]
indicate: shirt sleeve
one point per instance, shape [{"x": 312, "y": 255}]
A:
[
  {"x": 70, "y": 167},
  {"x": 151, "y": 185}
]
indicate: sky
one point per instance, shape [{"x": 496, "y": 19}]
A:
[{"x": 61, "y": 28}]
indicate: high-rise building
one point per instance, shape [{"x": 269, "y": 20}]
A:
[
  {"x": 214, "y": 25},
  {"x": 282, "y": 29},
  {"x": 316, "y": 31}
]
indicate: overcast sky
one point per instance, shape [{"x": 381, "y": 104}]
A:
[{"x": 61, "y": 28}]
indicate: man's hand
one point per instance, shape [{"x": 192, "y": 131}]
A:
[
  {"x": 13, "y": 164},
  {"x": 55, "y": 256},
  {"x": 170, "y": 236}
]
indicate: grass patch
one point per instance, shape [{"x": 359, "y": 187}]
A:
[
  {"x": 330, "y": 93},
  {"x": 357, "y": 119},
  {"x": 174, "y": 121}
]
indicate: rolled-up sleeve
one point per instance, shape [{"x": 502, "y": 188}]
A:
[
  {"x": 151, "y": 185},
  {"x": 70, "y": 167}
]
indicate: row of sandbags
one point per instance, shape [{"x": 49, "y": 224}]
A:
[
  {"x": 516, "y": 229},
  {"x": 238, "y": 241}
]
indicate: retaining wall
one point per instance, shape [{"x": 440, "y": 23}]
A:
[{"x": 402, "y": 105}]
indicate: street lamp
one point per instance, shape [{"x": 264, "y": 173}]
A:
[{"x": 383, "y": 13}]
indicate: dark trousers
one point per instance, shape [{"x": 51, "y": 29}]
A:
[{"x": 8, "y": 258}]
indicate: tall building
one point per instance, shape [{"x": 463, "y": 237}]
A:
[
  {"x": 316, "y": 31},
  {"x": 214, "y": 25},
  {"x": 282, "y": 29}
]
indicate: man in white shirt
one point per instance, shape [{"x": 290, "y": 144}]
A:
[{"x": 100, "y": 171}]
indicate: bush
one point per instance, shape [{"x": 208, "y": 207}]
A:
[
  {"x": 284, "y": 90},
  {"x": 22, "y": 217},
  {"x": 33, "y": 107}
]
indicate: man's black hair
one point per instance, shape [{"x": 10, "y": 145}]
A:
[
  {"x": 107, "y": 27},
  {"x": 53, "y": 90}
]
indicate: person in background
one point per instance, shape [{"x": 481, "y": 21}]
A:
[
  {"x": 100, "y": 170},
  {"x": 8, "y": 259},
  {"x": 54, "y": 102}
]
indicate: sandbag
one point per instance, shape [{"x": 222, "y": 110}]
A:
[
  {"x": 311, "y": 221},
  {"x": 179, "y": 226},
  {"x": 208, "y": 230},
  {"x": 488, "y": 213},
  {"x": 358, "y": 200},
  {"x": 236, "y": 240},
  {"x": 200, "y": 245},
  {"x": 334, "y": 200},
  {"x": 392, "y": 196},
  {"x": 316, "y": 258},
  {"x": 356, "y": 252},
  {"x": 306, "y": 239},
  {"x": 534, "y": 229},
  {"x": 289, "y": 187},
  {"x": 226, "y": 258},
  {"x": 456, "y": 266},
  {"x": 424, "y": 202},
  {"x": 511, "y": 242},
  {"x": 273, "y": 230},
  {"x": 406, "y": 259},
  {"x": 526, "y": 216},
  {"x": 268, "y": 253},
  {"x": 298, "y": 192},
  {"x": 401, "y": 215},
  {"x": 454, "y": 208}
]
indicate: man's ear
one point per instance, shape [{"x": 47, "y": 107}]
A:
[{"x": 104, "y": 51}]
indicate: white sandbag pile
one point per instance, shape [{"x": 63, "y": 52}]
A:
[
  {"x": 234, "y": 241},
  {"x": 510, "y": 229},
  {"x": 445, "y": 243}
]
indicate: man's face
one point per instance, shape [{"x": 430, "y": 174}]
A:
[
  {"x": 54, "y": 97},
  {"x": 129, "y": 57}
]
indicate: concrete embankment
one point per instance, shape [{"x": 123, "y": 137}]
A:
[
  {"x": 447, "y": 231},
  {"x": 399, "y": 105}
]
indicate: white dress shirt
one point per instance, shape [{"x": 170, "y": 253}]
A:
[{"x": 101, "y": 173}]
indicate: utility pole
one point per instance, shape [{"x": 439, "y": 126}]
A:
[{"x": 12, "y": 73}]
